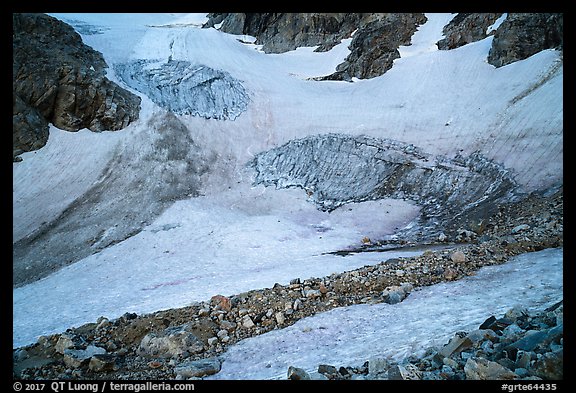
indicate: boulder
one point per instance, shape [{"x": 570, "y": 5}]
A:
[
  {"x": 456, "y": 345},
  {"x": 550, "y": 365},
  {"x": 483, "y": 369},
  {"x": 197, "y": 368},
  {"x": 296, "y": 373},
  {"x": 102, "y": 363},
  {"x": 75, "y": 358},
  {"x": 171, "y": 342},
  {"x": 404, "y": 372}
]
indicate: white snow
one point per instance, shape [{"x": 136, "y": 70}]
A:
[
  {"x": 496, "y": 24},
  {"x": 427, "y": 35},
  {"x": 428, "y": 317},
  {"x": 237, "y": 237}
]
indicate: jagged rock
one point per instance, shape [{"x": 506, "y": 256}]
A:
[
  {"x": 222, "y": 302},
  {"x": 185, "y": 88},
  {"x": 374, "y": 46},
  {"x": 465, "y": 28},
  {"x": 58, "y": 79},
  {"x": 198, "y": 368},
  {"x": 550, "y": 365},
  {"x": 102, "y": 363},
  {"x": 65, "y": 341},
  {"x": 523, "y": 34},
  {"x": 296, "y": 373},
  {"x": 281, "y": 32},
  {"x": 171, "y": 342},
  {"x": 540, "y": 337},
  {"x": 456, "y": 345},
  {"x": 75, "y": 358},
  {"x": 404, "y": 372},
  {"x": 483, "y": 369},
  {"x": 327, "y": 369},
  {"x": 29, "y": 128},
  {"x": 377, "y": 366}
]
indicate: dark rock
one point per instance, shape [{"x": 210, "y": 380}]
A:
[
  {"x": 538, "y": 338},
  {"x": 550, "y": 366},
  {"x": 343, "y": 371},
  {"x": 494, "y": 324},
  {"x": 465, "y": 28},
  {"x": 75, "y": 358},
  {"x": 327, "y": 369},
  {"x": 58, "y": 79},
  {"x": 29, "y": 128},
  {"x": 198, "y": 368},
  {"x": 455, "y": 346},
  {"x": 404, "y": 372},
  {"x": 374, "y": 47},
  {"x": 483, "y": 369},
  {"x": 102, "y": 363},
  {"x": 281, "y": 32},
  {"x": 523, "y": 34},
  {"x": 296, "y": 373}
]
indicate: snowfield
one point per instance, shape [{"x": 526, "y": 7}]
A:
[{"x": 234, "y": 236}]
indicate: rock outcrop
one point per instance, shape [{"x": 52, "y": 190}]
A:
[
  {"x": 375, "y": 36},
  {"x": 58, "y": 79},
  {"x": 336, "y": 169},
  {"x": 523, "y": 34},
  {"x": 374, "y": 46},
  {"x": 282, "y": 32},
  {"x": 465, "y": 28}
]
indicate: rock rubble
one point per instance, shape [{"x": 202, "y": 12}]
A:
[{"x": 520, "y": 345}]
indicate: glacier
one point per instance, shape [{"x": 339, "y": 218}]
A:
[{"x": 178, "y": 225}]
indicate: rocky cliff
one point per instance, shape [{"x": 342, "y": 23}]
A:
[
  {"x": 466, "y": 28},
  {"x": 375, "y": 36},
  {"x": 524, "y": 34},
  {"x": 58, "y": 79}
]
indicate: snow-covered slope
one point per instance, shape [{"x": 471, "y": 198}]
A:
[{"x": 230, "y": 236}]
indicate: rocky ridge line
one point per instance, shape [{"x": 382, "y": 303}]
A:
[
  {"x": 186, "y": 343},
  {"x": 374, "y": 45}
]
